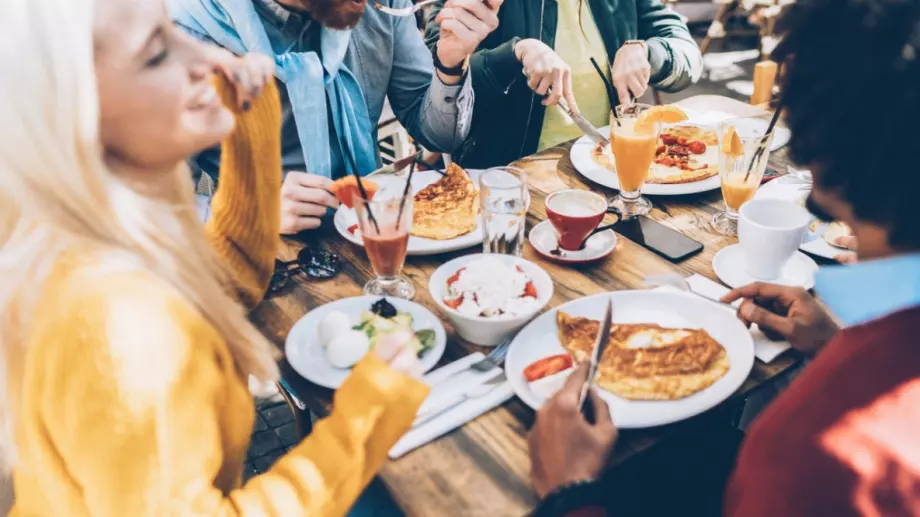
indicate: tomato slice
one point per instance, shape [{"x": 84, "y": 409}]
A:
[
  {"x": 530, "y": 290},
  {"x": 455, "y": 277},
  {"x": 353, "y": 229},
  {"x": 548, "y": 366},
  {"x": 454, "y": 303}
]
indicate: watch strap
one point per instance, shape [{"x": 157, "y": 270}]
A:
[
  {"x": 571, "y": 497},
  {"x": 456, "y": 71}
]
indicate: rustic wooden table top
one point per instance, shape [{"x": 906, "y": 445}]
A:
[{"x": 483, "y": 468}]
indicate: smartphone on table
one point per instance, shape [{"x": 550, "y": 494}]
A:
[{"x": 657, "y": 237}]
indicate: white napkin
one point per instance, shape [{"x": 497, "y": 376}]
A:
[
  {"x": 456, "y": 416},
  {"x": 765, "y": 349}
]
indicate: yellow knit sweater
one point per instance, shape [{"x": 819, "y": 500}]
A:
[{"x": 131, "y": 405}]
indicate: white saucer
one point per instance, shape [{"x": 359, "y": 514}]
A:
[
  {"x": 543, "y": 238},
  {"x": 729, "y": 267}
]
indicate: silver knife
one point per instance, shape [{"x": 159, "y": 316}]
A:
[
  {"x": 397, "y": 166},
  {"x": 480, "y": 390},
  {"x": 590, "y": 131},
  {"x": 600, "y": 344}
]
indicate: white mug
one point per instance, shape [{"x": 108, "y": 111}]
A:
[{"x": 770, "y": 231}]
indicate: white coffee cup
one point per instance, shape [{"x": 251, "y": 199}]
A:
[{"x": 770, "y": 231}]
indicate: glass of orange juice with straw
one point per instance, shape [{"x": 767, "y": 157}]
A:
[
  {"x": 634, "y": 130},
  {"x": 744, "y": 148}
]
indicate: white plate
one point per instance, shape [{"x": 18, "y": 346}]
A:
[
  {"x": 729, "y": 266},
  {"x": 545, "y": 241},
  {"x": 391, "y": 185},
  {"x": 582, "y": 156},
  {"x": 308, "y": 358},
  {"x": 539, "y": 339}
]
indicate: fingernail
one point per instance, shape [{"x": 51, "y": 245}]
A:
[
  {"x": 747, "y": 310},
  {"x": 246, "y": 105},
  {"x": 236, "y": 77}
]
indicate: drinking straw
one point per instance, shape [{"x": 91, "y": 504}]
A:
[
  {"x": 611, "y": 93},
  {"x": 402, "y": 202},
  {"x": 354, "y": 172},
  {"x": 762, "y": 148}
]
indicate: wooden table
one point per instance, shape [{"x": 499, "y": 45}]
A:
[{"x": 483, "y": 468}]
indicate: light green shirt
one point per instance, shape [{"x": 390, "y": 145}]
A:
[{"x": 576, "y": 49}]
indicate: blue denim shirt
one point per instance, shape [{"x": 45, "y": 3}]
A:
[
  {"x": 863, "y": 292},
  {"x": 389, "y": 59}
]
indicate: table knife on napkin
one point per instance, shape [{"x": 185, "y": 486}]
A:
[
  {"x": 600, "y": 344},
  {"x": 592, "y": 132}
]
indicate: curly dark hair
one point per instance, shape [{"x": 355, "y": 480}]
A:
[{"x": 851, "y": 89}]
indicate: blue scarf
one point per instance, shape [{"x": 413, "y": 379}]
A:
[{"x": 235, "y": 25}]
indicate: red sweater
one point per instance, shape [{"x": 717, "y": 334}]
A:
[{"x": 844, "y": 439}]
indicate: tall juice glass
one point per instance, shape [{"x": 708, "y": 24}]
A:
[
  {"x": 633, "y": 141},
  {"x": 744, "y": 148},
  {"x": 385, "y": 230}
]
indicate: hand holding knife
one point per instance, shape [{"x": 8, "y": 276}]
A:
[{"x": 592, "y": 132}]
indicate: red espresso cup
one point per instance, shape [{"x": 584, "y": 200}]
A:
[{"x": 574, "y": 214}]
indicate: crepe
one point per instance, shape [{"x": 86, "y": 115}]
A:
[
  {"x": 448, "y": 208},
  {"x": 645, "y": 361}
]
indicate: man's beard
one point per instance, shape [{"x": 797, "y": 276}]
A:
[{"x": 335, "y": 14}]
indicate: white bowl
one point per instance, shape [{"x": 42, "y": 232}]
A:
[{"x": 489, "y": 331}]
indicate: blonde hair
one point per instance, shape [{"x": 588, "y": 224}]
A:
[{"x": 56, "y": 193}]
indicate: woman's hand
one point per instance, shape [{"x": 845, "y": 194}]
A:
[
  {"x": 248, "y": 75},
  {"x": 631, "y": 71},
  {"x": 544, "y": 70},
  {"x": 564, "y": 447},
  {"x": 788, "y": 311},
  {"x": 304, "y": 200}
]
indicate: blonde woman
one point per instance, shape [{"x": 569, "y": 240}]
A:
[{"x": 124, "y": 348}]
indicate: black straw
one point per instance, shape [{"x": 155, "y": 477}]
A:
[
  {"x": 758, "y": 154},
  {"x": 611, "y": 93},
  {"x": 367, "y": 203},
  {"x": 402, "y": 202}
]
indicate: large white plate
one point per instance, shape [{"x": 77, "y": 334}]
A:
[
  {"x": 583, "y": 159},
  {"x": 391, "y": 185},
  {"x": 539, "y": 339},
  {"x": 308, "y": 358}
]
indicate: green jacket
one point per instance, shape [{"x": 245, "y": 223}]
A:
[{"x": 508, "y": 116}]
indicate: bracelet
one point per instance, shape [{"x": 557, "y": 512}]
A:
[
  {"x": 456, "y": 71},
  {"x": 570, "y": 497}
]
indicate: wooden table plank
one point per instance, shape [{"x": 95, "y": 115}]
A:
[{"x": 483, "y": 467}]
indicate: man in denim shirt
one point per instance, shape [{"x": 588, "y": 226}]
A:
[{"x": 376, "y": 56}]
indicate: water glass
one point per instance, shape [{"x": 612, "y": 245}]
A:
[
  {"x": 742, "y": 163},
  {"x": 505, "y": 201}
]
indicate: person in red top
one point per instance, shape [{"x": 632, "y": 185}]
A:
[{"x": 844, "y": 439}]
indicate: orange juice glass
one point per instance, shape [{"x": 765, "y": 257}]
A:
[
  {"x": 741, "y": 167},
  {"x": 385, "y": 225},
  {"x": 633, "y": 142}
]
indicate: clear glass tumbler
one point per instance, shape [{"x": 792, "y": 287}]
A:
[
  {"x": 385, "y": 226},
  {"x": 505, "y": 201},
  {"x": 744, "y": 149}
]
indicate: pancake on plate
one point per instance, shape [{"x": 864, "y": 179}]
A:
[
  {"x": 837, "y": 230},
  {"x": 645, "y": 361},
  {"x": 448, "y": 208},
  {"x": 685, "y": 154}
]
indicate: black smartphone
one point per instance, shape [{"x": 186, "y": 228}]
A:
[{"x": 657, "y": 237}]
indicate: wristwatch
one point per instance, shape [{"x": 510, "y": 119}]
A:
[
  {"x": 456, "y": 71},
  {"x": 635, "y": 42},
  {"x": 571, "y": 497}
]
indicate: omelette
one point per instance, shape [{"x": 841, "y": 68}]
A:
[
  {"x": 645, "y": 361},
  {"x": 448, "y": 208}
]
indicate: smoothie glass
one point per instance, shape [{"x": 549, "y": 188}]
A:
[
  {"x": 633, "y": 141},
  {"x": 741, "y": 167},
  {"x": 386, "y": 237}
]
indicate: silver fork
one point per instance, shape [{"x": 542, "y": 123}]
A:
[
  {"x": 405, "y": 11},
  {"x": 494, "y": 360}
]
